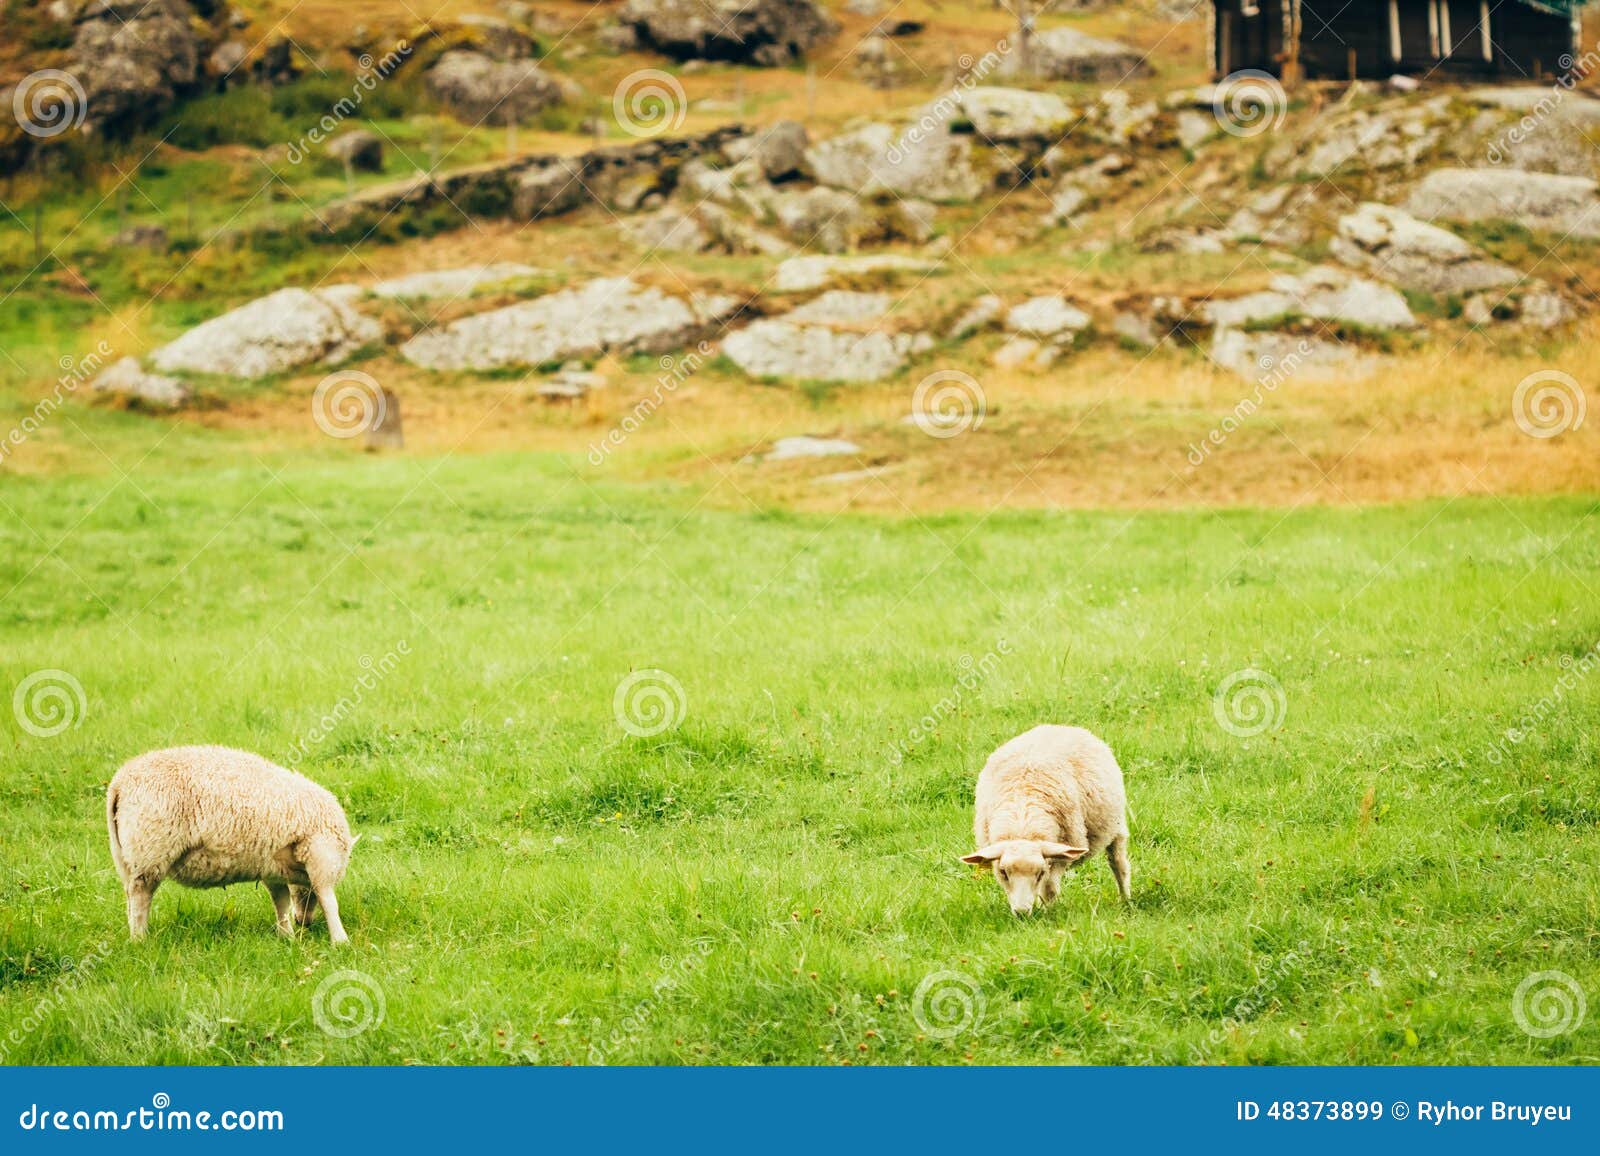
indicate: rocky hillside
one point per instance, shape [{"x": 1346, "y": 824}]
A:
[{"x": 724, "y": 196}]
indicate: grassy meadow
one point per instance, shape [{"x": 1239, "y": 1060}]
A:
[{"x": 773, "y": 876}]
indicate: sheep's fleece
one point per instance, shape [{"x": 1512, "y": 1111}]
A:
[
  {"x": 211, "y": 816},
  {"x": 1047, "y": 800}
]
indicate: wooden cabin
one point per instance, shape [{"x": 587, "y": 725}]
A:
[{"x": 1340, "y": 39}]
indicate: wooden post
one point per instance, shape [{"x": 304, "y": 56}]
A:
[
  {"x": 1225, "y": 43},
  {"x": 385, "y": 433},
  {"x": 811, "y": 89},
  {"x": 1351, "y": 58}
]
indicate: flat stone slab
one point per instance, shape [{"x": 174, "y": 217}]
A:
[
  {"x": 272, "y": 334},
  {"x": 787, "y": 449},
  {"x": 611, "y": 313},
  {"x": 451, "y": 282},
  {"x": 1412, "y": 253},
  {"x": 791, "y": 350},
  {"x": 1547, "y": 201},
  {"x": 799, "y": 274}
]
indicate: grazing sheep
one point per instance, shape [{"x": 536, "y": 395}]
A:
[
  {"x": 211, "y": 816},
  {"x": 1046, "y": 799}
]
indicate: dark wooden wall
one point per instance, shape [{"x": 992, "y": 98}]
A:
[{"x": 1526, "y": 41}]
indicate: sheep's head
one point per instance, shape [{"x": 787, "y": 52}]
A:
[{"x": 1028, "y": 870}]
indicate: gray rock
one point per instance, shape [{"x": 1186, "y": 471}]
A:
[
  {"x": 981, "y": 314},
  {"x": 360, "y": 149},
  {"x": 790, "y": 350},
  {"x": 1541, "y": 201},
  {"x": 548, "y": 189},
  {"x": 1047, "y": 318},
  {"x": 225, "y": 64},
  {"x": 612, "y": 313},
  {"x": 1414, "y": 254},
  {"x": 133, "y": 60},
  {"x": 842, "y": 307},
  {"x": 1277, "y": 216},
  {"x": 1013, "y": 114},
  {"x": 461, "y": 282},
  {"x": 272, "y": 334},
  {"x": 1324, "y": 293},
  {"x": 481, "y": 90},
  {"x": 1274, "y": 359},
  {"x": 1195, "y": 128},
  {"x": 787, "y": 449},
  {"x": 128, "y": 378},
  {"x": 1136, "y": 328},
  {"x": 1398, "y": 135},
  {"x": 931, "y": 163},
  {"x": 767, "y": 32},
  {"x": 822, "y": 218},
  {"x": 778, "y": 151},
  {"x": 1066, "y": 54},
  {"x": 670, "y": 229},
  {"x": 1017, "y": 352},
  {"x": 800, "y": 274},
  {"x": 496, "y": 37}
]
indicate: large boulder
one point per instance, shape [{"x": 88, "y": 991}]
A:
[
  {"x": 1324, "y": 293},
  {"x": 358, "y": 148},
  {"x": 1066, "y": 54},
  {"x": 1413, "y": 253},
  {"x": 769, "y": 32},
  {"x": 777, "y": 151},
  {"x": 452, "y": 283},
  {"x": 127, "y": 378},
  {"x": 272, "y": 334},
  {"x": 924, "y": 160},
  {"x": 134, "y": 58},
  {"x": 481, "y": 90},
  {"x": 608, "y": 314},
  {"x": 1008, "y": 115},
  {"x": 792, "y": 351},
  {"x": 1548, "y": 201}
]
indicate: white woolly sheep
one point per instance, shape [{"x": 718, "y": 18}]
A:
[
  {"x": 211, "y": 816},
  {"x": 1047, "y": 799}
]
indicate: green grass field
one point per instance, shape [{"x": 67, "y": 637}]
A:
[{"x": 773, "y": 877}]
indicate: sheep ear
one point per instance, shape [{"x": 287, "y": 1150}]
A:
[
  {"x": 984, "y": 855},
  {"x": 1062, "y": 851}
]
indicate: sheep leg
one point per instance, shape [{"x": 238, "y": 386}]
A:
[
  {"x": 305, "y": 905},
  {"x": 1117, "y": 853},
  {"x": 139, "y": 892},
  {"x": 283, "y": 904},
  {"x": 323, "y": 867}
]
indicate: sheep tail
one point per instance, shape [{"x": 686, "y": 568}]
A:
[{"x": 113, "y": 797}]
